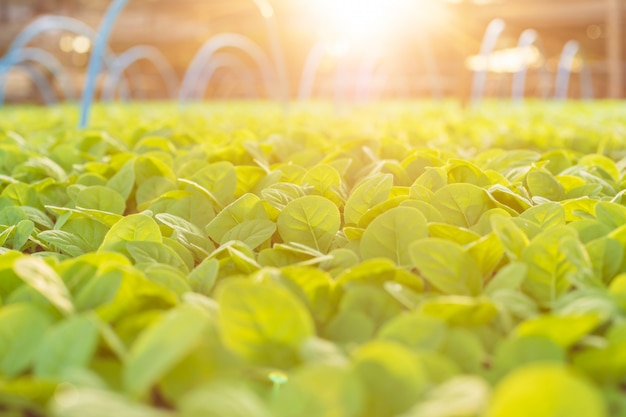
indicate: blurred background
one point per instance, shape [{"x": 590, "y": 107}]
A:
[{"x": 404, "y": 48}]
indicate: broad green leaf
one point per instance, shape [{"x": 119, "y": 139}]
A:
[
  {"x": 161, "y": 346},
  {"x": 460, "y": 310},
  {"x": 67, "y": 346},
  {"x": 247, "y": 207},
  {"x": 546, "y": 215},
  {"x": 544, "y": 184},
  {"x": 185, "y": 204},
  {"x": 42, "y": 278},
  {"x": 433, "y": 179},
  {"x": 12, "y": 215},
  {"x": 430, "y": 213},
  {"x": 263, "y": 323},
  {"x": 462, "y": 204},
  {"x": 415, "y": 330},
  {"x": 220, "y": 178},
  {"x": 391, "y": 234},
  {"x": 313, "y": 286},
  {"x": 133, "y": 228},
  {"x": 99, "y": 290},
  {"x": 508, "y": 277},
  {"x": 78, "y": 402},
  {"x": 563, "y": 330},
  {"x": 147, "y": 166},
  {"x": 64, "y": 241},
  {"x": 374, "y": 302},
  {"x": 350, "y": 328},
  {"x": 465, "y": 349},
  {"x": 456, "y": 234},
  {"x": 153, "y": 188},
  {"x": 312, "y": 221},
  {"x": 365, "y": 196},
  {"x": 521, "y": 351},
  {"x": 392, "y": 377},
  {"x": 606, "y": 255},
  {"x": 326, "y": 182},
  {"x": 487, "y": 252},
  {"x": 101, "y": 198},
  {"x": 611, "y": 214},
  {"x": 222, "y": 400},
  {"x": 155, "y": 252},
  {"x": 22, "y": 328},
  {"x": 124, "y": 180},
  {"x": 377, "y": 272},
  {"x": 319, "y": 391},
  {"x": 549, "y": 269},
  {"x": 22, "y": 234},
  {"x": 546, "y": 390},
  {"x": 447, "y": 266},
  {"x": 461, "y": 396},
  {"x": 251, "y": 232},
  {"x": 202, "y": 278}
]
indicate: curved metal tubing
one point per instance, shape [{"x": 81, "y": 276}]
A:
[
  {"x": 570, "y": 50},
  {"x": 278, "y": 56},
  {"x": 214, "y": 44},
  {"x": 132, "y": 55},
  {"x": 46, "y": 24},
  {"x": 493, "y": 32},
  {"x": 219, "y": 60},
  {"x": 95, "y": 61},
  {"x": 40, "y": 81},
  {"x": 527, "y": 39},
  {"x": 45, "y": 59},
  {"x": 311, "y": 65}
]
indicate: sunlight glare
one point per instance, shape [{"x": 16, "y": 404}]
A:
[{"x": 363, "y": 21}]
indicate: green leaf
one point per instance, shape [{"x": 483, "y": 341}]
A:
[
  {"x": 222, "y": 400},
  {"x": 245, "y": 208},
  {"x": 64, "y": 241},
  {"x": 161, "y": 346},
  {"x": 319, "y": 391},
  {"x": 220, "y": 179},
  {"x": 67, "y": 346},
  {"x": 365, "y": 196},
  {"x": 546, "y": 215},
  {"x": 263, "y": 323},
  {"x": 22, "y": 328},
  {"x": 415, "y": 331},
  {"x": 606, "y": 255},
  {"x": 251, "y": 232},
  {"x": 42, "y": 278},
  {"x": 521, "y": 351},
  {"x": 133, "y": 228},
  {"x": 462, "y": 204},
  {"x": 101, "y": 198},
  {"x": 460, "y": 310},
  {"x": 203, "y": 277},
  {"x": 392, "y": 377},
  {"x": 563, "y": 330},
  {"x": 391, "y": 234},
  {"x": 23, "y": 231},
  {"x": 543, "y": 184},
  {"x": 124, "y": 180},
  {"x": 325, "y": 181},
  {"x": 546, "y": 390},
  {"x": 312, "y": 221},
  {"x": 611, "y": 214},
  {"x": 549, "y": 268},
  {"x": 447, "y": 266},
  {"x": 155, "y": 252}
]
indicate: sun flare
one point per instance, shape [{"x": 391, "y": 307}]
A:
[{"x": 366, "y": 21}]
